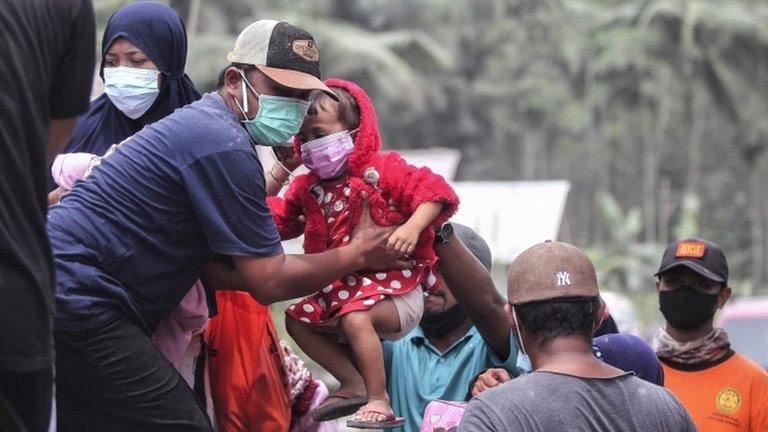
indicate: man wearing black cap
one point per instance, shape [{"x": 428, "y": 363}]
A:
[
  {"x": 553, "y": 307},
  {"x": 722, "y": 390},
  {"x": 130, "y": 240}
]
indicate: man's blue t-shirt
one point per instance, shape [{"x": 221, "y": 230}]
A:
[{"x": 135, "y": 235}]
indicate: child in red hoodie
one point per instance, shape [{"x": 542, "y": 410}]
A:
[{"x": 339, "y": 142}]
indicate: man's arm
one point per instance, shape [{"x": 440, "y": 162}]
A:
[
  {"x": 275, "y": 179},
  {"x": 283, "y": 277},
  {"x": 472, "y": 285},
  {"x": 280, "y": 172},
  {"x": 58, "y": 135},
  {"x": 218, "y": 276},
  {"x": 70, "y": 86}
]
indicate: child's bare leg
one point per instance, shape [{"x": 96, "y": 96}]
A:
[
  {"x": 326, "y": 351},
  {"x": 360, "y": 329}
]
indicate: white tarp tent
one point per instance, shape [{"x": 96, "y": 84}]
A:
[{"x": 512, "y": 216}]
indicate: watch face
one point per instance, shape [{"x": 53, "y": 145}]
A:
[{"x": 446, "y": 233}]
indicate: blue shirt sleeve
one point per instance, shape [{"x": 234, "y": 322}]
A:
[{"x": 227, "y": 192}]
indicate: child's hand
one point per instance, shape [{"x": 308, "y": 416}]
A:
[
  {"x": 55, "y": 196},
  {"x": 403, "y": 240},
  {"x": 287, "y": 157}
]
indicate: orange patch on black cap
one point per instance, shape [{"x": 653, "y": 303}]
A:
[{"x": 690, "y": 249}]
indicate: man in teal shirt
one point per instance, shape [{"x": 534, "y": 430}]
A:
[{"x": 452, "y": 344}]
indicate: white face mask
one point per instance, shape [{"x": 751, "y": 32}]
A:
[
  {"x": 524, "y": 357},
  {"x": 131, "y": 90}
]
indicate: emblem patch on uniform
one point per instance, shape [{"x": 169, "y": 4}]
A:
[
  {"x": 728, "y": 400},
  {"x": 306, "y": 48},
  {"x": 690, "y": 249}
]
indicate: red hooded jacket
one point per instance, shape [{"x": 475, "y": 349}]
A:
[{"x": 383, "y": 176}]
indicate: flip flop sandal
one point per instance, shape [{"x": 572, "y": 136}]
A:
[
  {"x": 389, "y": 422},
  {"x": 348, "y": 405}
]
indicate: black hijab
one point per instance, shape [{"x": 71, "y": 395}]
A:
[{"x": 157, "y": 30}]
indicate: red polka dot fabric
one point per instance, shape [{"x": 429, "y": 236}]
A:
[{"x": 357, "y": 291}]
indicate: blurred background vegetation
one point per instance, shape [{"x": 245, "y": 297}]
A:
[{"x": 656, "y": 111}]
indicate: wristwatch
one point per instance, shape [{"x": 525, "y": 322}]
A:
[{"x": 444, "y": 234}]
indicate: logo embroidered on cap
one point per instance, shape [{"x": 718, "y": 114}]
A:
[
  {"x": 563, "y": 278},
  {"x": 306, "y": 48},
  {"x": 690, "y": 250}
]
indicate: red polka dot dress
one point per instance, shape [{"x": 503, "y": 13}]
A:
[{"x": 357, "y": 291}]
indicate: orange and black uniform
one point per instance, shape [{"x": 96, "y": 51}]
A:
[{"x": 727, "y": 395}]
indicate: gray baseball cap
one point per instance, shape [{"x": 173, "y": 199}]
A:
[{"x": 474, "y": 243}]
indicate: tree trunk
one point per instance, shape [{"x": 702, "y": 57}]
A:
[
  {"x": 599, "y": 157},
  {"x": 193, "y": 18},
  {"x": 695, "y": 135},
  {"x": 181, "y": 7},
  {"x": 650, "y": 171},
  {"x": 666, "y": 209},
  {"x": 691, "y": 101},
  {"x": 344, "y": 10},
  {"x": 533, "y": 141},
  {"x": 657, "y": 201}
]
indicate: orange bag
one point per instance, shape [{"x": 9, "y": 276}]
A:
[{"x": 249, "y": 385}]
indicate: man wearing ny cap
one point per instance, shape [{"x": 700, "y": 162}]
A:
[
  {"x": 553, "y": 306},
  {"x": 723, "y": 390},
  {"x": 130, "y": 240}
]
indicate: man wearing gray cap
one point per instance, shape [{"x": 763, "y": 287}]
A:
[
  {"x": 130, "y": 240},
  {"x": 553, "y": 307},
  {"x": 459, "y": 335}
]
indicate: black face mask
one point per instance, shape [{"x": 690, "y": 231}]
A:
[
  {"x": 686, "y": 308},
  {"x": 440, "y": 324}
]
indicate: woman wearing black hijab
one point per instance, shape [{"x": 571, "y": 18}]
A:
[{"x": 144, "y": 45}]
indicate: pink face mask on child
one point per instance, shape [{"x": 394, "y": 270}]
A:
[{"x": 327, "y": 156}]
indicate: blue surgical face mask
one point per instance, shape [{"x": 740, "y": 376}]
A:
[
  {"x": 131, "y": 90},
  {"x": 278, "y": 118}
]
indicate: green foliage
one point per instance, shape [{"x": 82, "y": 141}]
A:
[
  {"x": 663, "y": 104},
  {"x": 688, "y": 225},
  {"x": 624, "y": 263}
]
